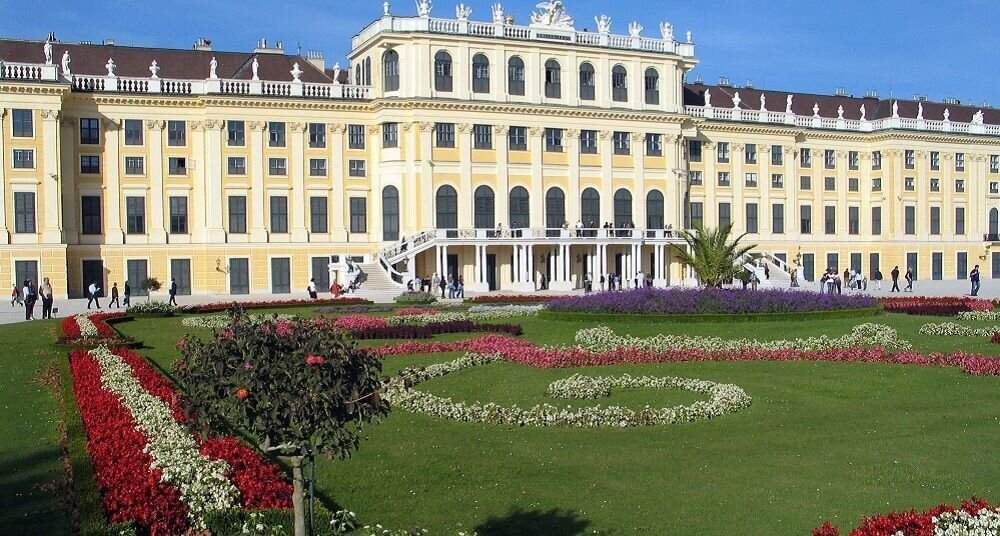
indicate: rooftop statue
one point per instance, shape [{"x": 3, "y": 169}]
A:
[
  {"x": 763, "y": 103},
  {"x": 603, "y": 24},
  {"x": 815, "y": 109},
  {"x": 47, "y": 50},
  {"x": 840, "y": 111},
  {"x": 788, "y": 104},
  {"x": 385, "y": 9},
  {"x": 212, "y": 66},
  {"x": 110, "y": 66},
  {"x": 296, "y": 72},
  {"x": 977, "y": 118},
  {"x": 667, "y": 31},
  {"x": 336, "y": 73},
  {"x": 708, "y": 98},
  {"x": 255, "y": 66},
  {"x": 947, "y": 114},
  {"x": 863, "y": 113},
  {"x": 920, "y": 110},
  {"x": 154, "y": 70},
  {"x": 895, "y": 108},
  {"x": 497, "y": 13},
  {"x": 65, "y": 63},
  {"x": 463, "y": 12},
  {"x": 424, "y": 8},
  {"x": 690, "y": 36},
  {"x": 736, "y": 100},
  {"x": 551, "y": 14},
  {"x": 634, "y": 29}
]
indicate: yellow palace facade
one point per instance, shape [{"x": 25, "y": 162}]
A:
[{"x": 513, "y": 155}]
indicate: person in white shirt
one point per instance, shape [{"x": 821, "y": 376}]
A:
[
  {"x": 92, "y": 291},
  {"x": 312, "y": 289}
]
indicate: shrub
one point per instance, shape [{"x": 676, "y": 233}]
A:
[
  {"x": 416, "y": 298},
  {"x": 151, "y": 308},
  {"x": 272, "y": 304}
]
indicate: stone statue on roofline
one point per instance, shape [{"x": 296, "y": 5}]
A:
[
  {"x": 788, "y": 104},
  {"x": 424, "y": 8},
  {"x": 603, "y": 24},
  {"x": 947, "y": 114},
  {"x": 212, "y": 66},
  {"x": 863, "y": 118},
  {"x": 154, "y": 70},
  {"x": 708, "y": 98},
  {"x": 385, "y": 9},
  {"x": 336, "y": 73},
  {"x": 977, "y": 118},
  {"x": 920, "y": 111},
  {"x": 634, "y": 29},
  {"x": 690, "y": 37},
  {"x": 815, "y": 109},
  {"x": 498, "y": 13},
  {"x": 296, "y": 72},
  {"x": 551, "y": 14},
  {"x": 895, "y": 109},
  {"x": 763, "y": 103},
  {"x": 736, "y": 100},
  {"x": 255, "y": 67},
  {"x": 47, "y": 50},
  {"x": 667, "y": 31},
  {"x": 463, "y": 12},
  {"x": 840, "y": 111},
  {"x": 65, "y": 63},
  {"x": 110, "y": 66}
]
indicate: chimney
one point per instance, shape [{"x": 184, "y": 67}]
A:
[
  {"x": 841, "y": 92},
  {"x": 749, "y": 84},
  {"x": 315, "y": 57},
  {"x": 203, "y": 44},
  {"x": 953, "y": 101},
  {"x": 109, "y": 42},
  {"x": 920, "y": 98},
  {"x": 724, "y": 81},
  {"x": 262, "y": 47},
  {"x": 871, "y": 94}
]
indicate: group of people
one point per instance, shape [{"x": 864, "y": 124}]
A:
[
  {"x": 123, "y": 298},
  {"x": 27, "y": 295},
  {"x": 909, "y": 279},
  {"x": 450, "y": 286}
]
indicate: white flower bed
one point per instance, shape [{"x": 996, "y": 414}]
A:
[
  {"x": 962, "y": 523},
  {"x": 87, "y": 328},
  {"x": 988, "y": 316},
  {"x": 723, "y": 399},
  {"x": 222, "y": 320},
  {"x": 476, "y": 313},
  {"x": 507, "y": 310},
  {"x": 202, "y": 482},
  {"x": 604, "y": 339},
  {"x": 951, "y": 329}
]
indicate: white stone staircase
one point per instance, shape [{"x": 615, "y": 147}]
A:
[{"x": 378, "y": 287}]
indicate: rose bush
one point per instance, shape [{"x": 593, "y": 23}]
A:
[
  {"x": 979, "y": 315},
  {"x": 222, "y": 320}
]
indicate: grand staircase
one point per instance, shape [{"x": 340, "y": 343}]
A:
[{"x": 378, "y": 287}]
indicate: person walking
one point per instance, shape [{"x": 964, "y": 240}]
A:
[
  {"x": 974, "y": 278},
  {"x": 128, "y": 295},
  {"x": 435, "y": 283},
  {"x": 172, "y": 290},
  {"x": 312, "y": 288},
  {"x": 114, "y": 296},
  {"x": 29, "y": 300},
  {"x": 461, "y": 287},
  {"x": 15, "y": 295},
  {"x": 92, "y": 296},
  {"x": 909, "y": 280},
  {"x": 602, "y": 282},
  {"x": 767, "y": 271},
  {"x": 878, "y": 279},
  {"x": 895, "y": 279},
  {"x": 45, "y": 291}
]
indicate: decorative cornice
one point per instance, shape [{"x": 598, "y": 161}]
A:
[
  {"x": 426, "y": 126},
  {"x": 213, "y": 124},
  {"x": 501, "y": 130},
  {"x": 28, "y": 88},
  {"x": 155, "y": 124}
]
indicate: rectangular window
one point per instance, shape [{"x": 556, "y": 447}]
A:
[
  {"x": 856, "y": 262},
  {"x": 553, "y": 140},
  {"x": 960, "y": 220},
  {"x": 853, "y": 184},
  {"x": 809, "y": 266},
  {"x": 177, "y": 165},
  {"x": 237, "y": 165},
  {"x": 833, "y": 262},
  {"x": 359, "y": 215},
  {"x": 696, "y": 214},
  {"x": 176, "y": 133},
  {"x": 277, "y": 166},
  {"x": 805, "y": 182},
  {"x": 750, "y": 179},
  {"x": 133, "y": 132},
  {"x": 962, "y": 265},
  {"x": 935, "y": 220},
  {"x": 317, "y": 214},
  {"x": 853, "y": 160},
  {"x": 90, "y": 131},
  {"x": 239, "y": 276},
  {"x": 830, "y": 220},
  {"x": 279, "y": 214},
  {"x": 853, "y": 220},
  {"x": 722, "y": 152},
  {"x": 90, "y": 214},
  {"x": 694, "y": 178},
  {"x": 723, "y": 178},
  {"x": 178, "y": 214},
  {"x": 694, "y": 150},
  {"x": 135, "y": 215},
  {"x": 829, "y": 184},
  {"x": 356, "y": 137},
  {"x": 937, "y": 270},
  {"x": 588, "y": 141},
  {"x": 876, "y": 221},
  {"x": 22, "y": 123},
  {"x": 935, "y": 160},
  {"x": 281, "y": 275},
  {"x": 876, "y": 160},
  {"x": 136, "y": 271},
  {"x": 995, "y": 163},
  {"x": 517, "y": 138},
  {"x": 321, "y": 272},
  {"x": 482, "y": 137},
  {"x": 390, "y": 135},
  {"x": 935, "y": 185},
  {"x": 24, "y": 212},
  {"x": 356, "y": 168},
  {"x": 444, "y": 134},
  {"x": 654, "y": 145},
  {"x": 725, "y": 214},
  {"x": 90, "y": 164},
  {"x": 909, "y": 160},
  {"x": 620, "y": 142},
  {"x": 317, "y": 167},
  {"x": 134, "y": 165},
  {"x": 909, "y": 184},
  {"x": 778, "y": 218},
  {"x": 777, "y": 155},
  {"x": 829, "y": 159},
  {"x": 317, "y": 135},
  {"x": 959, "y": 186},
  {"x": 750, "y": 153},
  {"x": 275, "y": 134},
  {"x": 24, "y": 159},
  {"x": 873, "y": 265},
  {"x": 877, "y": 184},
  {"x": 910, "y": 220},
  {"x": 777, "y": 180},
  {"x": 911, "y": 263},
  {"x": 751, "y": 213},
  {"x": 959, "y": 161},
  {"x": 805, "y": 219},
  {"x": 237, "y": 214},
  {"x": 805, "y": 158},
  {"x": 236, "y": 133}
]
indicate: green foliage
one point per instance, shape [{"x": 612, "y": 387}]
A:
[
  {"x": 151, "y": 284},
  {"x": 160, "y": 308},
  {"x": 415, "y": 298},
  {"x": 293, "y": 385},
  {"x": 713, "y": 256}
]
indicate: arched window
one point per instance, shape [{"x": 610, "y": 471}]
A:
[
  {"x": 515, "y": 76},
  {"x": 555, "y": 208},
  {"x": 623, "y": 208},
  {"x": 357, "y": 75},
  {"x": 994, "y": 221},
  {"x": 442, "y": 71},
  {"x": 446, "y": 208},
  {"x": 483, "y": 212},
  {"x": 390, "y": 214},
  {"x": 587, "y": 81},
  {"x": 368, "y": 71},
  {"x": 654, "y": 210},
  {"x": 553, "y": 77},
  {"x": 619, "y": 84},
  {"x": 519, "y": 208},
  {"x": 590, "y": 208},
  {"x": 480, "y": 74},
  {"x": 652, "y": 86},
  {"x": 390, "y": 71}
]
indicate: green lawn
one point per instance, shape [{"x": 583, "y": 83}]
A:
[{"x": 821, "y": 441}]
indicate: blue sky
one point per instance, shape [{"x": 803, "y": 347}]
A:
[{"x": 939, "y": 49}]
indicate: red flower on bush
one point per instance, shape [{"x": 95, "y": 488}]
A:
[
  {"x": 826, "y": 530},
  {"x": 315, "y": 360},
  {"x": 359, "y": 322},
  {"x": 416, "y": 311},
  {"x": 909, "y": 523},
  {"x": 71, "y": 328},
  {"x": 935, "y": 306},
  {"x": 241, "y": 393}
]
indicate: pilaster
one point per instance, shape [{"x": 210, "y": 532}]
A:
[
  {"x": 258, "y": 232},
  {"x": 212, "y": 142},
  {"x": 298, "y": 201},
  {"x": 337, "y": 169},
  {"x": 154, "y": 140},
  {"x": 4, "y": 230},
  {"x": 112, "y": 183}
]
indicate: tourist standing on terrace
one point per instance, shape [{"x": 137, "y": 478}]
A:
[
  {"x": 128, "y": 295},
  {"x": 878, "y": 279},
  {"x": 312, "y": 288},
  {"x": 29, "y": 300},
  {"x": 895, "y": 279},
  {"x": 909, "y": 280},
  {"x": 974, "y": 278},
  {"x": 15, "y": 295},
  {"x": 114, "y": 296},
  {"x": 45, "y": 291},
  {"x": 92, "y": 291}
]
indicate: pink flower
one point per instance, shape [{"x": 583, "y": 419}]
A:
[
  {"x": 283, "y": 328},
  {"x": 227, "y": 333},
  {"x": 313, "y": 359},
  {"x": 359, "y": 322}
]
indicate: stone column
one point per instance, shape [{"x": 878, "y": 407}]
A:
[
  {"x": 374, "y": 224},
  {"x": 258, "y": 231},
  {"x": 639, "y": 165},
  {"x": 154, "y": 137},
  {"x": 215, "y": 233},
  {"x": 337, "y": 169},
  {"x": 607, "y": 186},
  {"x": 408, "y": 200},
  {"x": 573, "y": 195},
  {"x": 531, "y": 267},
  {"x": 4, "y": 230},
  {"x": 67, "y": 179},
  {"x": 200, "y": 187},
  {"x": 426, "y": 176},
  {"x": 51, "y": 224},
  {"x": 112, "y": 189},
  {"x": 297, "y": 203}
]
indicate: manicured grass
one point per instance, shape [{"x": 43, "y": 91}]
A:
[{"x": 821, "y": 441}]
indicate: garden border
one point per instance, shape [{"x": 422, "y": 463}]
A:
[{"x": 547, "y": 314}]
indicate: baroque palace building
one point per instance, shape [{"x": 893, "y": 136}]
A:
[{"x": 513, "y": 155}]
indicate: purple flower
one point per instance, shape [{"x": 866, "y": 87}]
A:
[{"x": 709, "y": 301}]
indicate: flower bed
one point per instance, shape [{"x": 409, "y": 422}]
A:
[
  {"x": 603, "y": 339},
  {"x": 512, "y": 298},
  {"x": 935, "y": 306},
  {"x": 150, "y": 468},
  {"x": 951, "y": 329},
  {"x": 476, "y": 313},
  {"x": 223, "y": 320},
  {"x": 222, "y": 306},
  {"x": 723, "y": 399},
  {"x": 88, "y": 329},
  {"x": 974, "y": 517},
  {"x": 708, "y": 301},
  {"x": 987, "y": 316},
  {"x": 427, "y": 331},
  {"x": 152, "y": 308}
]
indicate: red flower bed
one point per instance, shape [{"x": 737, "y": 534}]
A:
[
  {"x": 935, "y": 306},
  {"x": 910, "y": 523},
  {"x": 71, "y": 329},
  {"x": 527, "y": 353},
  {"x": 223, "y": 306},
  {"x": 358, "y": 322},
  {"x": 513, "y": 298}
]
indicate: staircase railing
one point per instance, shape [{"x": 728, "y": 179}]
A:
[
  {"x": 782, "y": 265},
  {"x": 395, "y": 275}
]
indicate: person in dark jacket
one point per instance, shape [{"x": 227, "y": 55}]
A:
[
  {"x": 895, "y": 279},
  {"x": 127, "y": 294},
  {"x": 114, "y": 296},
  {"x": 974, "y": 278},
  {"x": 172, "y": 290}
]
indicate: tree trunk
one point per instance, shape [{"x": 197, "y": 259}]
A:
[{"x": 298, "y": 495}]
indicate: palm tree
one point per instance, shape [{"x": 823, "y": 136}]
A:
[{"x": 713, "y": 256}]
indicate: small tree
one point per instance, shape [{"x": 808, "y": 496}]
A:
[
  {"x": 150, "y": 285},
  {"x": 712, "y": 255},
  {"x": 297, "y": 388}
]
